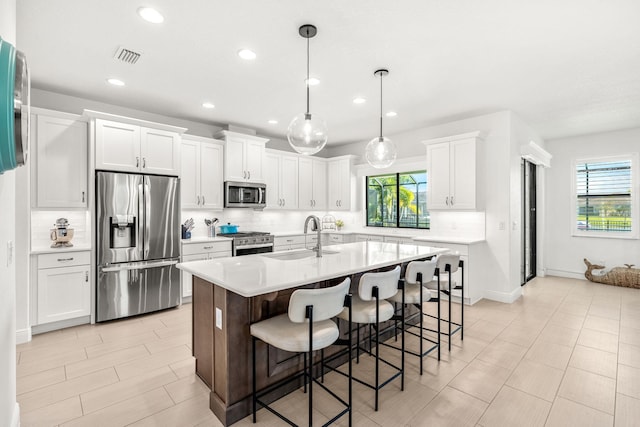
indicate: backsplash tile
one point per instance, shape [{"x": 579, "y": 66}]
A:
[{"x": 43, "y": 221}]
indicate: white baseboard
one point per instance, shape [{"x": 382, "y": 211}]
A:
[
  {"x": 15, "y": 419},
  {"x": 48, "y": 327},
  {"x": 506, "y": 297},
  {"x": 567, "y": 274},
  {"x": 23, "y": 335}
]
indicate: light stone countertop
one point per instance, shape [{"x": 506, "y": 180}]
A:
[
  {"x": 259, "y": 274},
  {"x": 47, "y": 249},
  {"x": 390, "y": 233},
  {"x": 205, "y": 240}
]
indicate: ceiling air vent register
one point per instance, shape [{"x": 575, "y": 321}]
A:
[{"x": 127, "y": 55}]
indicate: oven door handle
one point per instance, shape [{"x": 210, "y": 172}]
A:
[{"x": 260, "y": 245}]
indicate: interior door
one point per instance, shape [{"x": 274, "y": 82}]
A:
[{"x": 529, "y": 216}]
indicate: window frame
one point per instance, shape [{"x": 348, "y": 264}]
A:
[
  {"x": 397, "y": 186},
  {"x": 635, "y": 202}
]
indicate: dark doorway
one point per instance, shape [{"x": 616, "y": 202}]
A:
[{"x": 529, "y": 234}]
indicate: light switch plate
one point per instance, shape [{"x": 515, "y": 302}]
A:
[{"x": 218, "y": 318}]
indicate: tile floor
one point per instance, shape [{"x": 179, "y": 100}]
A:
[{"x": 565, "y": 354}]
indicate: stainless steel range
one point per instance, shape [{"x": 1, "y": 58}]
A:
[{"x": 250, "y": 242}]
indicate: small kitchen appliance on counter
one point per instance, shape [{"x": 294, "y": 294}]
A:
[{"x": 61, "y": 234}]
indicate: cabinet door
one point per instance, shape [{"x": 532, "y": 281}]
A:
[
  {"x": 253, "y": 160},
  {"x": 211, "y": 175},
  {"x": 305, "y": 183},
  {"x": 272, "y": 179},
  {"x": 61, "y": 163},
  {"x": 160, "y": 152},
  {"x": 289, "y": 182},
  {"x": 117, "y": 146},
  {"x": 438, "y": 176},
  {"x": 190, "y": 174},
  {"x": 319, "y": 185},
  {"x": 462, "y": 181},
  {"x": 187, "y": 282},
  {"x": 63, "y": 293},
  {"x": 233, "y": 160},
  {"x": 339, "y": 189}
]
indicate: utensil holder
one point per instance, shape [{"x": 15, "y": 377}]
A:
[
  {"x": 186, "y": 234},
  {"x": 211, "y": 231}
]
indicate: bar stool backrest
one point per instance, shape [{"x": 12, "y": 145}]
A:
[
  {"x": 427, "y": 268},
  {"x": 452, "y": 259},
  {"x": 326, "y": 302},
  {"x": 386, "y": 281}
]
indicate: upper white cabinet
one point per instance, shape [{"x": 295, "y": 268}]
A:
[
  {"x": 61, "y": 161},
  {"x": 312, "y": 191},
  {"x": 201, "y": 177},
  {"x": 243, "y": 157},
  {"x": 130, "y": 145},
  {"x": 451, "y": 169},
  {"x": 281, "y": 177},
  {"x": 339, "y": 191}
]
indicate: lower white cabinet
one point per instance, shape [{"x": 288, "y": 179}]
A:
[
  {"x": 394, "y": 239},
  {"x": 369, "y": 238},
  {"x": 63, "y": 286},
  {"x": 299, "y": 241},
  {"x": 197, "y": 251},
  {"x": 337, "y": 239}
]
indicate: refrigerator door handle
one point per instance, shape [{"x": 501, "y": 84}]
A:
[
  {"x": 138, "y": 266},
  {"x": 147, "y": 214},
  {"x": 140, "y": 248}
]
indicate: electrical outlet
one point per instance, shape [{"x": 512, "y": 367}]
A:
[
  {"x": 218, "y": 318},
  {"x": 9, "y": 253},
  {"x": 501, "y": 225}
]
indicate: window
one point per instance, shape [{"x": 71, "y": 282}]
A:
[
  {"x": 605, "y": 200},
  {"x": 398, "y": 200}
]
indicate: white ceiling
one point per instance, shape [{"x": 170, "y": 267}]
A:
[{"x": 566, "y": 67}]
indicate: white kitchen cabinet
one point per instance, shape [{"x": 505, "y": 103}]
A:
[
  {"x": 196, "y": 251},
  {"x": 451, "y": 169},
  {"x": 395, "y": 239},
  {"x": 299, "y": 241},
  {"x": 201, "y": 173},
  {"x": 63, "y": 286},
  {"x": 130, "y": 146},
  {"x": 369, "y": 238},
  {"x": 243, "y": 157},
  {"x": 281, "y": 177},
  {"x": 312, "y": 183},
  {"x": 60, "y": 162},
  {"x": 339, "y": 188},
  {"x": 337, "y": 239}
]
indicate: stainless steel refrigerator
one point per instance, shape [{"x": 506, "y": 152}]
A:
[{"x": 138, "y": 244}]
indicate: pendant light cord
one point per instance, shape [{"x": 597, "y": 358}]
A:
[
  {"x": 381, "y": 106},
  {"x": 307, "y": 72}
]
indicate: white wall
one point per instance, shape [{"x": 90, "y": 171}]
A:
[
  {"x": 564, "y": 253},
  {"x": 497, "y": 162},
  {"x": 9, "y": 413}
]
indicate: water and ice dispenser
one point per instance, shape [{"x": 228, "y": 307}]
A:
[{"x": 122, "y": 233}]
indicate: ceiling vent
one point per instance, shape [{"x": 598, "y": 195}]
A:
[{"x": 126, "y": 55}]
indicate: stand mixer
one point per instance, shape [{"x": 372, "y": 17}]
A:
[{"x": 61, "y": 234}]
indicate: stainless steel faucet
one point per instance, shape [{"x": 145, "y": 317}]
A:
[{"x": 315, "y": 226}]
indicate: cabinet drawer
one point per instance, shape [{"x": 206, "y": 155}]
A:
[
  {"x": 336, "y": 238},
  {"x": 198, "y": 257},
  {"x": 64, "y": 259},
  {"x": 198, "y": 248},
  {"x": 289, "y": 240}
]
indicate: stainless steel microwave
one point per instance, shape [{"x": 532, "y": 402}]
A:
[{"x": 245, "y": 195}]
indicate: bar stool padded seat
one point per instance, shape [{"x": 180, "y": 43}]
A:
[
  {"x": 280, "y": 332},
  {"x": 365, "y": 311},
  {"x": 412, "y": 294}
]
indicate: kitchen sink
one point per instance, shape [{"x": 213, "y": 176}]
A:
[{"x": 293, "y": 255}]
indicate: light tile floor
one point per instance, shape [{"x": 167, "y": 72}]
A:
[{"x": 565, "y": 354}]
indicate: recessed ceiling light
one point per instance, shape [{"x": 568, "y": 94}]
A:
[
  {"x": 208, "y": 105},
  {"x": 273, "y": 122},
  {"x": 359, "y": 100},
  {"x": 247, "y": 54},
  {"x": 150, "y": 15},
  {"x": 391, "y": 114},
  {"x": 115, "y": 82},
  {"x": 312, "y": 81}
]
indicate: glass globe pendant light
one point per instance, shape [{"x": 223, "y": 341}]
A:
[
  {"x": 307, "y": 133},
  {"x": 381, "y": 151}
]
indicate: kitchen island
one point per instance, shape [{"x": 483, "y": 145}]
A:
[{"x": 231, "y": 293}]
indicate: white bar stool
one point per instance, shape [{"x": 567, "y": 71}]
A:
[
  {"x": 449, "y": 264},
  {"x": 416, "y": 293},
  {"x": 370, "y": 307},
  {"x": 306, "y": 327}
]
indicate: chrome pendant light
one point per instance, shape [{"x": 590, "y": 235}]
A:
[
  {"x": 381, "y": 151},
  {"x": 307, "y": 133}
]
